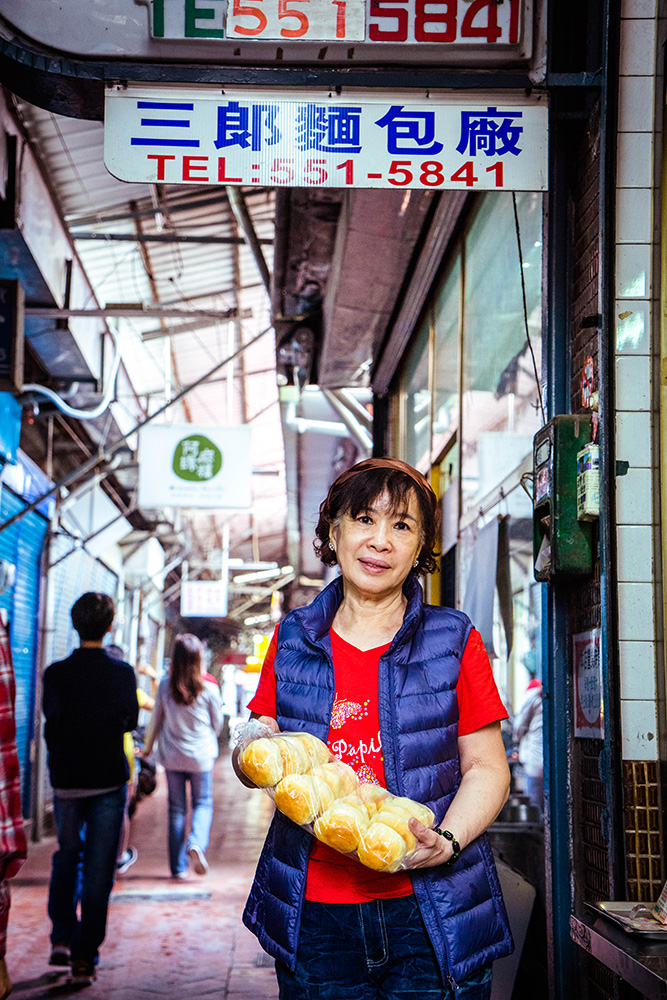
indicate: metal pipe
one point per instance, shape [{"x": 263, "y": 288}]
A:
[
  {"x": 163, "y": 238},
  {"x": 242, "y": 215},
  {"x": 128, "y": 312},
  {"x": 106, "y": 455},
  {"x": 360, "y": 412},
  {"x": 357, "y": 432}
]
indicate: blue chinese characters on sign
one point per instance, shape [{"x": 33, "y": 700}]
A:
[
  {"x": 161, "y": 123},
  {"x": 328, "y": 129},
  {"x": 410, "y": 131},
  {"x": 253, "y": 127},
  {"x": 491, "y": 132}
]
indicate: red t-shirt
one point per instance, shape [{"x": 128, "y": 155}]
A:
[{"x": 354, "y": 737}]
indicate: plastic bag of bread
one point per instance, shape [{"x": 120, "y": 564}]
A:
[{"x": 322, "y": 794}]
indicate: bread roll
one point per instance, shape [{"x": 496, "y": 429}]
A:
[
  {"x": 354, "y": 800},
  {"x": 342, "y": 826},
  {"x": 294, "y": 754},
  {"x": 340, "y": 778},
  {"x": 399, "y": 823},
  {"x": 262, "y": 761},
  {"x": 302, "y": 797},
  {"x": 372, "y": 796},
  {"x": 317, "y": 751},
  {"x": 412, "y": 808},
  {"x": 381, "y": 848}
]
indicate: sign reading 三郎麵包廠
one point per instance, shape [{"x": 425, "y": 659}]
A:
[
  {"x": 417, "y": 22},
  {"x": 433, "y": 141},
  {"x": 189, "y": 466}
]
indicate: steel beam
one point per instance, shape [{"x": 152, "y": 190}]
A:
[
  {"x": 162, "y": 238},
  {"x": 128, "y": 312}
]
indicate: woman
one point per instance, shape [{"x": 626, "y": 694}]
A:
[
  {"x": 186, "y": 721},
  {"x": 404, "y": 693}
]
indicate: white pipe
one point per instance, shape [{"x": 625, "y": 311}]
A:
[{"x": 71, "y": 411}]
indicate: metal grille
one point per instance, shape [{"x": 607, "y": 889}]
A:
[
  {"x": 645, "y": 863},
  {"x": 22, "y": 545},
  {"x": 592, "y": 803}
]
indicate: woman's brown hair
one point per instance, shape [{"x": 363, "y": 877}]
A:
[{"x": 185, "y": 680}]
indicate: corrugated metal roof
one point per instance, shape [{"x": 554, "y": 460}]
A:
[{"x": 189, "y": 276}]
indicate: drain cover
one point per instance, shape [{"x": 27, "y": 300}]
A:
[{"x": 158, "y": 895}]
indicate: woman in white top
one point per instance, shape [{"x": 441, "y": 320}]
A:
[{"x": 186, "y": 722}]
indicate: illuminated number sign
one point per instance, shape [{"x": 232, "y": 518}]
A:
[
  {"x": 457, "y": 22},
  {"x": 200, "y": 136}
]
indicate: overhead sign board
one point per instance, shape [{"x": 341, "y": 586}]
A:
[
  {"x": 466, "y": 33},
  {"x": 190, "y": 466},
  {"x": 418, "y": 22},
  {"x": 204, "y": 598},
  {"x": 199, "y": 135}
]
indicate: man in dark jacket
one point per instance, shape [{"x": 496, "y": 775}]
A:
[{"x": 89, "y": 702}]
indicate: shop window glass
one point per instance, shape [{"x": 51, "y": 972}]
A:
[
  {"x": 500, "y": 407},
  {"x": 417, "y": 397},
  {"x": 446, "y": 359}
]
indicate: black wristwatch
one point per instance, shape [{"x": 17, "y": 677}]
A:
[{"x": 456, "y": 847}]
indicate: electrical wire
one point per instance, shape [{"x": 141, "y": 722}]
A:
[{"x": 525, "y": 307}]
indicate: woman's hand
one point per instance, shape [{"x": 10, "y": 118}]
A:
[
  {"x": 243, "y": 778},
  {"x": 431, "y": 849}
]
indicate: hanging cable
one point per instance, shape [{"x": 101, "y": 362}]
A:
[
  {"x": 525, "y": 308},
  {"x": 71, "y": 411}
]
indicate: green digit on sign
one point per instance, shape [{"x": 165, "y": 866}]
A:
[
  {"x": 193, "y": 14},
  {"x": 158, "y": 18}
]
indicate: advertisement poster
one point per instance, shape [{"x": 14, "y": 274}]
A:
[{"x": 588, "y": 701}]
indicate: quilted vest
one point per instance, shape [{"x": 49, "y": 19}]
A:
[{"x": 461, "y": 905}]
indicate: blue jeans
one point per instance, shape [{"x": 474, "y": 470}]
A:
[
  {"x": 83, "y": 869},
  {"x": 201, "y": 790},
  {"x": 370, "y": 951}
]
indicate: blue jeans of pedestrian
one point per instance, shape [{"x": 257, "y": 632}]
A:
[
  {"x": 201, "y": 791},
  {"x": 83, "y": 869},
  {"x": 370, "y": 951}
]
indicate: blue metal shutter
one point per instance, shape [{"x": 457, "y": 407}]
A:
[{"x": 22, "y": 545}]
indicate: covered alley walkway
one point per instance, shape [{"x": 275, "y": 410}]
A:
[{"x": 165, "y": 939}]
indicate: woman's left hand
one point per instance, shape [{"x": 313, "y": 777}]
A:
[{"x": 431, "y": 849}]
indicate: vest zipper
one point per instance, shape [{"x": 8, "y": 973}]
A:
[{"x": 453, "y": 985}]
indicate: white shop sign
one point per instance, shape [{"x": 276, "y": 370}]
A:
[
  {"x": 198, "y": 135},
  {"x": 190, "y": 466},
  {"x": 204, "y": 598}
]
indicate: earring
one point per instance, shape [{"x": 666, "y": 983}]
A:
[
  {"x": 331, "y": 545},
  {"x": 415, "y": 564}
]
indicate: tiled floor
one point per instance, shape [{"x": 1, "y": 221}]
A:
[{"x": 165, "y": 939}]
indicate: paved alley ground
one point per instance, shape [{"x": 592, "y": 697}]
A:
[{"x": 165, "y": 939}]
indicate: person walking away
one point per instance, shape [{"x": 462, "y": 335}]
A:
[
  {"x": 12, "y": 835},
  {"x": 528, "y": 737},
  {"x": 89, "y": 702},
  {"x": 402, "y": 692},
  {"x": 186, "y": 721}
]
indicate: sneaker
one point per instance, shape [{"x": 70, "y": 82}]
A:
[
  {"x": 198, "y": 859},
  {"x": 83, "y": 972},
  {"x": 60, "y": 955},
  {"x": 180, "y": 875},
  {"x": 126, "y": 860}
]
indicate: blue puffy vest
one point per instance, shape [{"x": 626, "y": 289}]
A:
[{"x": 461, "y": 905}]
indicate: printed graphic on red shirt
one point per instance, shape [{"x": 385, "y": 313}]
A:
[{"x": 354, "y": 732}]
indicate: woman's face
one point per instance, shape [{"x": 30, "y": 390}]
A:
[{"x": 377, "y": 549}]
